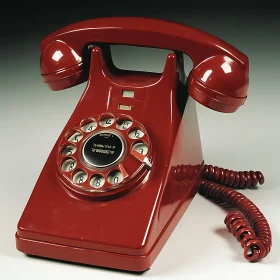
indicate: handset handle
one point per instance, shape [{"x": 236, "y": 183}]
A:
[
  {"x": 147, "y": 32},
  {"x": 219, "y": 78}
]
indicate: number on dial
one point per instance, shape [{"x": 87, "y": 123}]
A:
[
  {"x": 69, "y": 150},
  {"x": 75, "y": 137},
  {"x": 136, "y": 134},
  {"x": 124, "y": 124},
  {"x": 107, "y": 122},
  {"x": 140, "y": 148},
  {"x": 97, "y": 181},
  {"x": 68, "y": 165},
  {"x": 115, "y": 177},
  {"x": 88, "y": 127},
  {"x": 80, "y": 177}
]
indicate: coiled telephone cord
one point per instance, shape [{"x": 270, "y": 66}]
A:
[{"x": 248, "y": 224}]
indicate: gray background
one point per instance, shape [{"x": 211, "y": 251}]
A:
[{"x": 32, "y": 117}]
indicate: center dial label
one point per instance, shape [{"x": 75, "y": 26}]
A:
[{"x": 103, "y": 149}]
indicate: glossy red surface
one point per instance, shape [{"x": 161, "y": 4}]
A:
[
  {"x": 222, "y": 68},
  {"x": 74, "y": 226},
  {"x": 61, "y": 67},
  {"x": 58, "y": 56},
  {"x": 219, "y": 83},
  {"x": 211, "y": 56},
  {"x": 126, "y": 225}
]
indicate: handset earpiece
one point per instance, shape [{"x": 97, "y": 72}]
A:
[
  {"x": 61, "y": 66},
  {"x": 219, "y": 83}
]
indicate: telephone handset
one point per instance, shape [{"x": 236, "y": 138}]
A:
[
  {"x": 129, "y": 160},
  {"x": 210, "y": 55}
]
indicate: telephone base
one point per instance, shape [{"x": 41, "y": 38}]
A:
[
  {"x": 135, "y": 263},
  {"x": 82, "y": 255}
]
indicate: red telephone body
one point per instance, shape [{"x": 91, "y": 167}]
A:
[{"x": 108, "y": 194}]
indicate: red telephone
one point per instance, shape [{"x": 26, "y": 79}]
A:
[{"x": 116, "y": 184}]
